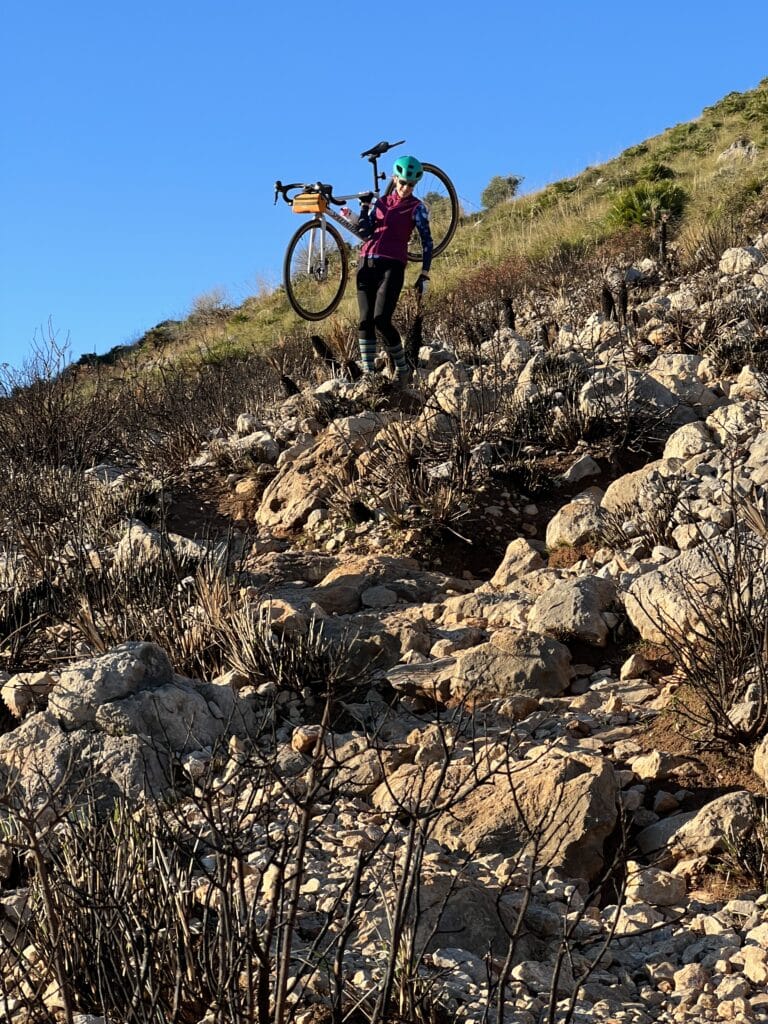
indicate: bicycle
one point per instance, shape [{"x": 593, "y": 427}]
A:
[{"x": 316, "y": 264}]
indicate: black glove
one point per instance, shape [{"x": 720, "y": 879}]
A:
[
  {"x": 365, "y": 199},
  {"x": 422, "y": 283}
]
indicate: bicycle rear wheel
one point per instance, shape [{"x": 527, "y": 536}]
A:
[
  {"x": 315, "y": 269},
  {"x": 436, "y": 191}
]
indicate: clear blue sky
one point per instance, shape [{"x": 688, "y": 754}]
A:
[{"x": 139, "y": 141}]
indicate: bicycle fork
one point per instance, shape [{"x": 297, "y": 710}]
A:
[
  {"x": 317, "y": 248},
  {"x": 317, "y": 262}
]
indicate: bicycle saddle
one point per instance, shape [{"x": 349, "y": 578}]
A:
[{"x": 381, "y": 147}]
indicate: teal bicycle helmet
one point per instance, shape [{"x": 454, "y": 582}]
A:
[{"x": 408, "y": 168}]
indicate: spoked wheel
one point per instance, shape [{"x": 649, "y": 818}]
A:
[
  {"x": 436, "y": 191},
  {"x": 315, "y": 269}
]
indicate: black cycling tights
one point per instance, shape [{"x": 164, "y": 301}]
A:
[{"x": 379, "y": 283}]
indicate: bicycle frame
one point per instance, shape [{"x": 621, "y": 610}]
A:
[
  {"x": 375, "y": 193},
  {"x": 341, "y": 221}
]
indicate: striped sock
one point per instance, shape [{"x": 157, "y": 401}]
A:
[
  {"x": 367, "y": 354},
  {"x": 401, "y": 363}
]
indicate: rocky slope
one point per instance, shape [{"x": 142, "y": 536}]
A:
[{"x": 504, "y": 627}]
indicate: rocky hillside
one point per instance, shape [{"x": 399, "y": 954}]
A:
[{"x": 326, "y": 701}]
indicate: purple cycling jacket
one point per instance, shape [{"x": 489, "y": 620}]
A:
[{"x": 391, "y": 221}]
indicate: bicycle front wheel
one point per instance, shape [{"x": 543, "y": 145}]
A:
[
  {"x": 315, "y": 269},
  {"x": 435, "y": 189}
]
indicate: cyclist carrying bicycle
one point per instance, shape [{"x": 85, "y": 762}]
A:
[{"x": 386, "y": 227}]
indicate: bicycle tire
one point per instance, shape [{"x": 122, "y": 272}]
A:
[
  {"x": 443, "y": 206},
  {"x": 315, "y": 281}
]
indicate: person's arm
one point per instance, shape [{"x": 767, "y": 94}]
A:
[
  {"x": 367, "y": 223},
  {"x": 421, "y": 217}
]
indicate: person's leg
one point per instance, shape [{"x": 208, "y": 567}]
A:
[
  {"x": 386, "y": 303},
  {"x": 367, "y": 284}
]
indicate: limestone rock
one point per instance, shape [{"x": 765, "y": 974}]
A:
[
  {"x": 303, "y": 485},
  {"x": 511, "y": 661},
  {"x": 624, "y": 490},
  {"x": 654, "y": 886},
  {"x": 577, "y": 522},
  {"x": 740, "y": 259},
  {"x": 565, "y": 805},
  {"x": 356, "y": 432},
  {"x": 635, "y": 666},
  {"x": 655, "y": 766},
  {"x": 247, "y": 423},
  {"x": 517, "y": 350},
  {"x": 455, "y": 394},
  {"x": 431, "y": 356},
  {"x": 378, "y": 597},
  {"x": 538, "y": 976},
  {"x": 519, "y": 559},
  {"x": 637, "y": 918},
  {"x": 487, "y": 607},
  {"x": 653, "y": 841},
  {"x": 599, "y": 335},
  {"x": 360, "y": 773},
  {"x": 760, "y": 760},
  {"x": 340, "y": 591},
  {"x": 679, "y": 374},
  {"x": 574, "y": 609},
  {"x": 448, "y": 906},
  {"x": 731, "y": 816},
  {"x": 141, "y": 546},
  {"x": 738, "y": 423},
  {"x": 259, "y": 445},
  {"x": 671, "y": 597},
  {"x": 740, "y": 151},
  {"x": 123, "y": 672},
  {"x": 114, "y": 722},
  {"x": 750, "y": 385},
  {"x": 581, "y": 469},
  {"x": 26, "y": 691},
  {"x": 304, "y": 738},
  {"x": 699, "y": 834},
  {"x": 430, "y": 678},
  {"x": 690, "y": 439},
  {"x": 290, "y": 614},
  {"x": 683, "y": 299},
  {"x": 36, "y": 757},
  {"x": 755, "y": 964},
  {"x": 182, "y": 715},
  {"x": 651, "y": 397},
  {"x": 691, "y": 978}
]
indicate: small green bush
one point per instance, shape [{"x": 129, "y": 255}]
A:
[
  {"x": 654, "y": 170},
  {"x": 757, "y": 110},
  {"x": 165, "y": 333},
  {"x": 691, "y": 137},
  {"x": 733, "y": 103},
  {"x": 643, "y": 203},
  {"x": 553, "y": 194}
]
